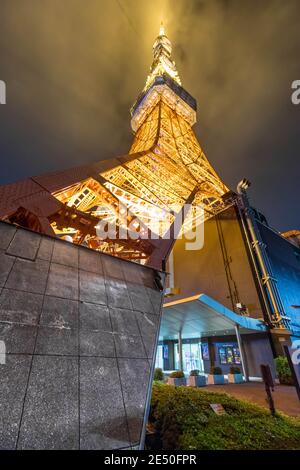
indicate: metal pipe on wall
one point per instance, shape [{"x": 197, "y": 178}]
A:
[{"x": 266, "y": 280}]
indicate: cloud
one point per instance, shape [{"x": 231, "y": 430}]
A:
[{"x": 74, "y": 68}]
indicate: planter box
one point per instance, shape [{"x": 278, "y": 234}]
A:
[
  {"x": 215, "y": 379},
  {"x": 176, "y": 381},
  {"x": 235, "y": 378},
  {"x": 197, "y": 381}
]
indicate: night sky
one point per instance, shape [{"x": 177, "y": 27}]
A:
[{"x": 73, "y": 68}]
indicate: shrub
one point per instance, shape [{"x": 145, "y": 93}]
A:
[
  {"x": 183, "y": 420},
  {"x": 234, "y": 370},
  {"x": 194, "y": 372},
  {"x": 170, "y": 431},
  {"x": 216, "y": 370},
  {"x": 177, "y": 374},
  {"x": 284, "y": 371},
  {"x": 158, "y": 374}
]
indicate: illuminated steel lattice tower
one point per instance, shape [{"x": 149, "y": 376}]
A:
[
  {"x": 165, "y": 169},
  {"x": 165, "y": 164}
]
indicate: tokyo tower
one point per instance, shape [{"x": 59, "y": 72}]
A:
[{"x": 141, "y": 193}]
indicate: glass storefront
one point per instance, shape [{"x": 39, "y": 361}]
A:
[
  {"x": 195, "y": 354},
  {"x": 191, "y": 356}
]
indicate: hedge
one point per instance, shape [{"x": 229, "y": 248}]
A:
[{"x": 183, "y": 420}]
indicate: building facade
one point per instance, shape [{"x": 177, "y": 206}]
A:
[{"x": 229, "y": 270}]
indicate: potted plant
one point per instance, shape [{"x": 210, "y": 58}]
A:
[
  {"x": 158, "y": 374},
  {"x": 177, "y": 378},
  {"x": 216, "y": 376},
  {"x": 235, "y": 376},
  {"x": 196, "y": 380},
  {"x": 283, "y": 371}
]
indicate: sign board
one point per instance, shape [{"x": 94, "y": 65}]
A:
[
  {"x": 293, "y": 357},
  {"x": 217, "y": 408},
  {"x": 205, "y": 351}
]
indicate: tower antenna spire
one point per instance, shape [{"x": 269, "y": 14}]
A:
[
  {"x": 162, "y": 29},
  {"x": 162, "y": 61}
]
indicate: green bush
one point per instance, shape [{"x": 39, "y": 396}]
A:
[
  {"x": 194, "y": 372},
  {"x": 184, "y": 420},
  {"x": 234, "y": 370},
  {"x": 284, "y": 371},
  {"x": 177, "y": 374},
  {"x": 216, "y": 370},
  {"x": 158, "y": 374}
]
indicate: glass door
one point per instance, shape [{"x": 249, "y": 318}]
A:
[{"x": 192, "y": 359}]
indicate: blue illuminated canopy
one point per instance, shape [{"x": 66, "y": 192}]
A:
[{"x": 201, "y": 316}]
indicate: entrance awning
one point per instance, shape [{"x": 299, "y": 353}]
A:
[{"x": 201, "y": 316}]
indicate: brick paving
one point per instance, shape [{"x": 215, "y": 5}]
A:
[{"x": 285, "y": 397}]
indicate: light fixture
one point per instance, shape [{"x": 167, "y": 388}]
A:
[{"x": 243, "y": 184}]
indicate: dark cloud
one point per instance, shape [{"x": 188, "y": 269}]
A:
[{"x": 74, "y": 68}]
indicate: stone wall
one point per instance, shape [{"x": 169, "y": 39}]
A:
[{"x": 80, "y": 329}]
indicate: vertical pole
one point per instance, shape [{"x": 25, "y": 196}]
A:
[
  {"x": 269, "y": 384},
  {"x": 270, "y": 400},
  {"x": 242, "y": 352},
  {"x": 180, "y": 351}
]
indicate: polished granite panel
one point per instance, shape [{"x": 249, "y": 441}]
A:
[
  {"x": 24, "y": 244},
  {"x": 79, "y": 328}
]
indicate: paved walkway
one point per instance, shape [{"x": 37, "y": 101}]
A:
[{"x": 285, "y": 397}]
